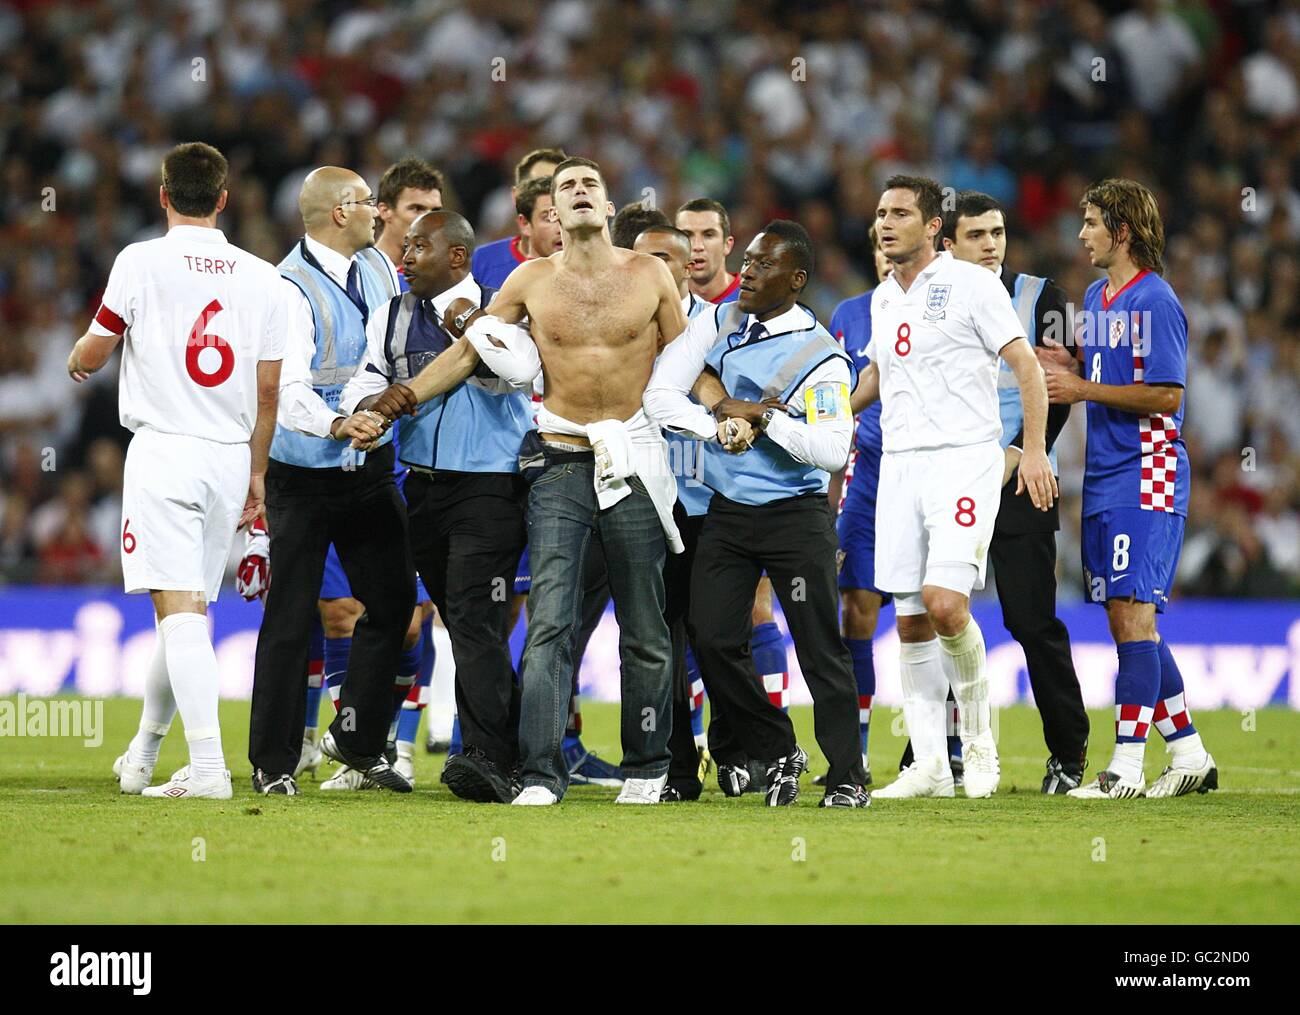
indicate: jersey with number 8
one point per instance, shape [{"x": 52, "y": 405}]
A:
[
  {"x": 936, "y": 347},
  {"x": 197, "y": 314}
]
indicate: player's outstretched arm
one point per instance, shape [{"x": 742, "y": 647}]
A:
[
  {"x": 259, "y": 444},
  {"x": 90, "y": 354},
  {"x": 867, "y": 390},
  {"x": 1035, "y": 470}
]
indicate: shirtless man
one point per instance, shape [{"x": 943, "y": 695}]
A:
[{"x": 598, "y": 316}]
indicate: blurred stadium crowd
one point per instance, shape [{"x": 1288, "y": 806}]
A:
[{"x": 777, "y": 109}]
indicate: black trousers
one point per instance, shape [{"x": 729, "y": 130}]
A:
[
  {"x": 794, "y": 540},
  {"x": 361, "y": 512},
  {"x": 1024, "y": 567},
  {"x": 467, "y": 532},
  {"x": 683, "y": 769}
]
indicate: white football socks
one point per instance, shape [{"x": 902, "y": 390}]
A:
[
  {"x": 925, "y": 698},
  {"x": 1188, "y": 750},
  {"x": 1126, "y": 762},
  {"x": 159, "y": 708},
  {"x": 192, "y": 666},
  {"x": 970, "y": 686}
]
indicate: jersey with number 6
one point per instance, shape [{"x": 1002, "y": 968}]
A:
[
  {"x": 197, "y": 314},
  {"x": 936, "y": 347}
]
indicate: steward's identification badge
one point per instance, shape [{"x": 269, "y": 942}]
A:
[{"x": 826, "y": 403}]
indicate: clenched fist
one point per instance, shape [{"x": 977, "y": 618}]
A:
[{"x": 394, "y": 401}]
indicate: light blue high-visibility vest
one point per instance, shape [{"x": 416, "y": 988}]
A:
[
  {"x": 686, "y": 454},
  {"x": 340, "y": 348},
  {"x": 469, "y": 428},
  {"x": 1027, "y": 289},
  {"x": 774, "y": 366}
]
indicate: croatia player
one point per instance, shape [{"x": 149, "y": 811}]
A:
[
  {"x": 859, "y": 598},
  {"x": 938, "y": 326},
  {"x": 493, "y": 262},
  {"x": 1136, "y": 481},
  {"x": 204, "y": 327}
]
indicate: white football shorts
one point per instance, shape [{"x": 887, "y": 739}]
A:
[
  {"x": 181, "y": 501},
  {"x": 934, "y": 509}
]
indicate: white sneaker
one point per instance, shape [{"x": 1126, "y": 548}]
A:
[
  {"x": 1177, "y": 781},
  {"x": 535, "y": 796},
  {"x": 642, "y": 791},
  {"x": 922, "y": 778},
  {"x": 1109, "y": 786},
  {"x": 183, "y": 784},
  {"x": 405, "y": 763},
  {"x": 132, "y": 778},
  {"x": 310, "y": 757},
  {"x": 348, "y": 778},
  {"x": 980, "y": 763}
]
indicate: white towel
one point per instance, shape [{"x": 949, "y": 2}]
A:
[{"x": 625, "y": 448}]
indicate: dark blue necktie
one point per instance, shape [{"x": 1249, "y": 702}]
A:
[
  {"x": 757, "y": 330},
  {"x": 354, "y": 290}
]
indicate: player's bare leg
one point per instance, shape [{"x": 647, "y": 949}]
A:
[{"x": 191, "y": 667}]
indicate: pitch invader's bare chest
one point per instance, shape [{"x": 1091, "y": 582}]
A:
[{"x": 604, "y": 310}]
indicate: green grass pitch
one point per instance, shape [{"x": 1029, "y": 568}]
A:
[{"x": 74, "y": 850}]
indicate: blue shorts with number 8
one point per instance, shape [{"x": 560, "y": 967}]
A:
[{"x": 1131, "y": 552}]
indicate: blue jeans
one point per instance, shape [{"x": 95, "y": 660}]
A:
[{"x": 563, "y": 520}]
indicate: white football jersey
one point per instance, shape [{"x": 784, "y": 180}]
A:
[
  {"x": 197, "y": 314},
  {"x": 936, "y": 347}
]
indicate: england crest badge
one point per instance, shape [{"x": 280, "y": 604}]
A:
[{"x": 936, "y": 298}]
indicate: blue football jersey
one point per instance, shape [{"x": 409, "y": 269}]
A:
[
  {"x": 851, "y": 326},
  {"x": 493, "y": 262},
  {"x": 1139, "y": 336}
]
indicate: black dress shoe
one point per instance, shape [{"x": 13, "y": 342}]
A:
[{"x": 472, "y": 775}]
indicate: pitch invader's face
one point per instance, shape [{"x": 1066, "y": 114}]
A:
[
  {"x": 673, "y": 250},
  {"x": 904, "y": 233},
  {"x": 580, "y": 201},
  {"x": 543, "y": 229},
  {"x": 710, "y": 245},
  {"x": 411, "y": 204},
  {"x": 981, "y": 239}
]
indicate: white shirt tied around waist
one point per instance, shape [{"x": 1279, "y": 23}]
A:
[{"x": 625, "y": 448}]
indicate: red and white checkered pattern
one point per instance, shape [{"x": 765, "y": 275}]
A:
[
  {"x": 418, "y": 697},
  {"x": 864, "y": 709},
  {"x": 1157, "y": 434},
  {"x": 777, "y": 686},
  {"x": 697, "y": 694},
  {"x": 1133, "y": 720},
  {"x": 1171, "y": 715}
]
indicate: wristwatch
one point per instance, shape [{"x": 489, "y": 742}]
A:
[
  {"x": 461, "y": 319},
  {"x": 766, "y": 418}
]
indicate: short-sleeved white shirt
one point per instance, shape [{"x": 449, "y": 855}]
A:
[
  {"x": 198, "y": 314},
  {"x": 936, "y": 347}
]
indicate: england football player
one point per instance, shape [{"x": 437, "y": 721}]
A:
[
  {"x": 1136, "y": 481},
  {"x": 938, "y": 326},
  {"x": 202, "y": 410},
  {"x": 1023, "y": 550}
]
